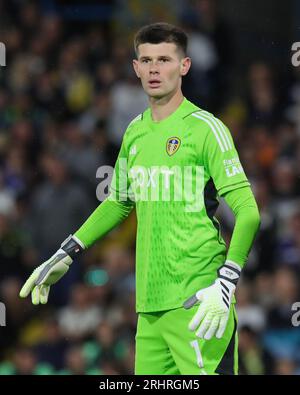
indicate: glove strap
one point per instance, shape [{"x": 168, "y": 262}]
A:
[
  {"x": 72, "y": 246},
  {"x": 230, "y": 271}
]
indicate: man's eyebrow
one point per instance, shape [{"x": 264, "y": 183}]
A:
[{"x": 159, "y": 57}]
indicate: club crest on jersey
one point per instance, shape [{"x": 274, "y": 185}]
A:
[{"x": 173, "y": 144}]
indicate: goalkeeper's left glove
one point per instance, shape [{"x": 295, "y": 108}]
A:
[{"x": 212, "y": 315}]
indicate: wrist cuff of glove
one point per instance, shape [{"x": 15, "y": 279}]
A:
[
  {"x": 72, "y": 246},
  {"x": 230, "y": 271}
]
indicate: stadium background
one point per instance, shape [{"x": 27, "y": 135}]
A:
[{"x": 67, "y": 94}]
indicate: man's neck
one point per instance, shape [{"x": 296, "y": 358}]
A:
[{"x": 163, "y": 107}]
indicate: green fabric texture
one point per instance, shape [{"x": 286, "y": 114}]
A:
[
  {"x": 165, "y": 346},
  {"x": 247, "y": 221},
  {"x": 106, "y": 216},
  {"x": 179, "y": 247}
]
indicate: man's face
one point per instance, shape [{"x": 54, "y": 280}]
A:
[{"x": 160, "y": 68}]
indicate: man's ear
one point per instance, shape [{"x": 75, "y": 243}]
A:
[
  {"x": 135, "y": 65},
  {"x": 185, "y": 65}
]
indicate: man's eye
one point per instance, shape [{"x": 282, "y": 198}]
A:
[
  {"x": 164, "y": 60},
  {"x": 145, "y": 60}
]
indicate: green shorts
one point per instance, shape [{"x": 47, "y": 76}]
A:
[{"x": 165, "y": 345}]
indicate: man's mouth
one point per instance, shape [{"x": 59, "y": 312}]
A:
[{"x": 154, "y": 83}]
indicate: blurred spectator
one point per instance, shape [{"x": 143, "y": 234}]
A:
[
  {"x": 18, "y": 314},
  {"x": 286, "y": 292},
  {"x": 80, "y": 318},
  {"x": 250, "y": 314},
  {"x": 7, "y": 199},
  {"x": 97, "y": 115},
  {"x": 281, "y": 339},
  {"x": 23, "y": 363},
  {"x": 52, "y": 348},
  {"x": 75, "y": 363},
  {"x": 118, "y": 263},
  {"x": 289, "y": 246},
  {"x": 16, "y": 171},
  {"x": 125, "y": 110},
  {"x": 285, "y": 192},
  {"x": 253, "y": 359},
  {"x": 59, "y": 205},
  {"x": 11, "y": 249},
  {"x": 264, "y": 248},
  {"x": 263, "y": 101},
  {"x": 263, "y": 290},
  {"x": 106, "y": 347},
  {"x": 287, "y": 140},
  {"x": 212, "y": 53}
]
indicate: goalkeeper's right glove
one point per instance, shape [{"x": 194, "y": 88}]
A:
[{"x": 49, "y": 272}]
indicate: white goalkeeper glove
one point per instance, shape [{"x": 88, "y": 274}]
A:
[
  {"x": 212, "y": 315},
  {"x": 49, "y": 272}
]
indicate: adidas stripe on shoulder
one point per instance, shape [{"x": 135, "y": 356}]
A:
[
  {"x": 218, "y": 129},
  {"x": 137, "y": 118}
]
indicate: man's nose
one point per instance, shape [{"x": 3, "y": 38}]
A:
[{"x": 154, "y": 67}]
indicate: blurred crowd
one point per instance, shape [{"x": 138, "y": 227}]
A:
[{"x": 67, "y": 95}]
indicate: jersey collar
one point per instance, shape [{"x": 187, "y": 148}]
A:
[{"x": 184, "y": 109}]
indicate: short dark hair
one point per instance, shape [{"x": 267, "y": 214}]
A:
[{"x": 160, "y": 32}]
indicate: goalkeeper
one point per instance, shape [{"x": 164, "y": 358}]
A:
[{"x": 175, "y": 161}]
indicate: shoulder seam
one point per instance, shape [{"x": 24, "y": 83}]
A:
[{"x": 217, "y": 127}]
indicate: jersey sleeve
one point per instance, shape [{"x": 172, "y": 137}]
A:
[
  {"x": 221, "y": 159},
  {"x": 247, "y": 221},
  {"x": 120, "y": 186}
]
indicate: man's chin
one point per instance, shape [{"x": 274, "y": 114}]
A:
[{"x": 156, "y": 93}]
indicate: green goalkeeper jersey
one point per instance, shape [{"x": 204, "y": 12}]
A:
[{"x": 173, "y": 172}]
